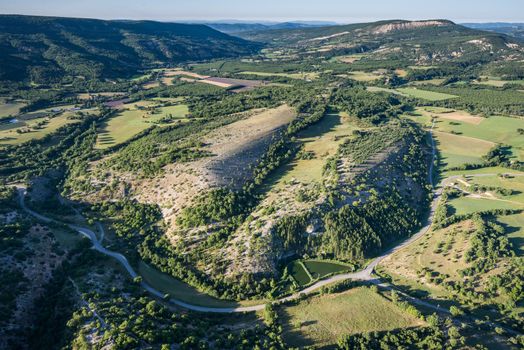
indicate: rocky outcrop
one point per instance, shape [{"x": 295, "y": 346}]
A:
[{"x": 396, "y": 26}]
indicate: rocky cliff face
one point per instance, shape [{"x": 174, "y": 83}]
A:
[{"x": 391, "y": 27}]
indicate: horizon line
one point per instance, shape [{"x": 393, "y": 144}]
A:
[{"x": 269, "y": 21}]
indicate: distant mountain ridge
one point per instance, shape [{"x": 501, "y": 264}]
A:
[
  {"x": 514, "y": 29},
  {"x": 424, "y": 42},
  {"x": 43, "y": 48},
  {"x": 235, "y": 28}
]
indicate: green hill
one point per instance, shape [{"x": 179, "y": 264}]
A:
[
  {"x": 47, "y": 48},
  {"x": 428, "y": 41}
]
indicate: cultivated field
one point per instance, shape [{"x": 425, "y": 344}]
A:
[
  {"x": 305, "y": 272},
  {"x": 363, "y": 76},
  {"x": 468, "y": 205},
  {"x": 426, "y": 95},
  {"x": 456, "y": 150},
  {"x": 301, "y": 75},
  {"x": 321, "y": 321}
]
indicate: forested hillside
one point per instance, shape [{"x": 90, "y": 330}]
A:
[
  {"x": 429, "y": 41},
  {"x": 45, "y": 49}
]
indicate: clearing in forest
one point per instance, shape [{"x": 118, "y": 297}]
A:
[
  {"x": 136, "y": 117},
  {"x": 322, "y": 320},
  {"x": 37, "y": 125},
  {"x": 426, "y": 95},
  {"x": 363, "y": 76},
  {"x": 451, "y": 114},
  {"x": 320, "y": 141},
  {"x": 10, "y": 108}
]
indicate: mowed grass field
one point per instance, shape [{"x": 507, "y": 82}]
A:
[
  {"x": 464, "y": 137},
  {"x": 322, "y": 320},
  {"x": 497, "y": 129},
  {"x": 319, "y": 269},
  {"x": 469, "y": 205},
  {"x": 455, "y": 150},
  {"x": 514, "y": 225},
  {"x": 131, "y": 121},
  {"x": 426, "y": 95}
]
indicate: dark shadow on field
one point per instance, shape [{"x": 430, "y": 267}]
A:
[
  {"x": 104, "y": 138},
  {"x": 291, "y": 333},
  {"x": 517, "y": 242},
  {"x": 440, "y": 163}
]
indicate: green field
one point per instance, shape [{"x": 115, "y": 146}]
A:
[
  {"x": 426, "y": 95},
  {"x": 455, "y": 150},
  {"x": 31, "y": 132},
  {"x": 319, "y": 269},
  {"x": 495, "y": 129},
  {"x": 127, "y": 123},
  {"x": 467, "y": 205},
  {"x": 321, "y": 321},
  {"x": 305, "y": 272},
  {"x": 514, "y": 225},
  {"x": 488, "y": 170}
]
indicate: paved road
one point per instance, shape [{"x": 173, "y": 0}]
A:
[{"x": 364, "y": 275}]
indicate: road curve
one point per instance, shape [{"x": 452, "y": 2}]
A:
[{"x": 363, "y": 275}]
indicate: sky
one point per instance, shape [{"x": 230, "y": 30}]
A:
[{"x": 342, "y": 11}]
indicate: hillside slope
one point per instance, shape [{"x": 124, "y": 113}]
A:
[
  {"x": 429, "y": 40},
  {"x": 42, "y": 48}
]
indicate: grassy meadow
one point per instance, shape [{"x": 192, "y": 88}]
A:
[
  {"x": 133, "y": 119},
  {"x": 321, "y": 321},
  {"x": 426, "y": 95}
]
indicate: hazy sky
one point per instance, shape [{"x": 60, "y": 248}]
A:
[{"x": 274, "y": 10}]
